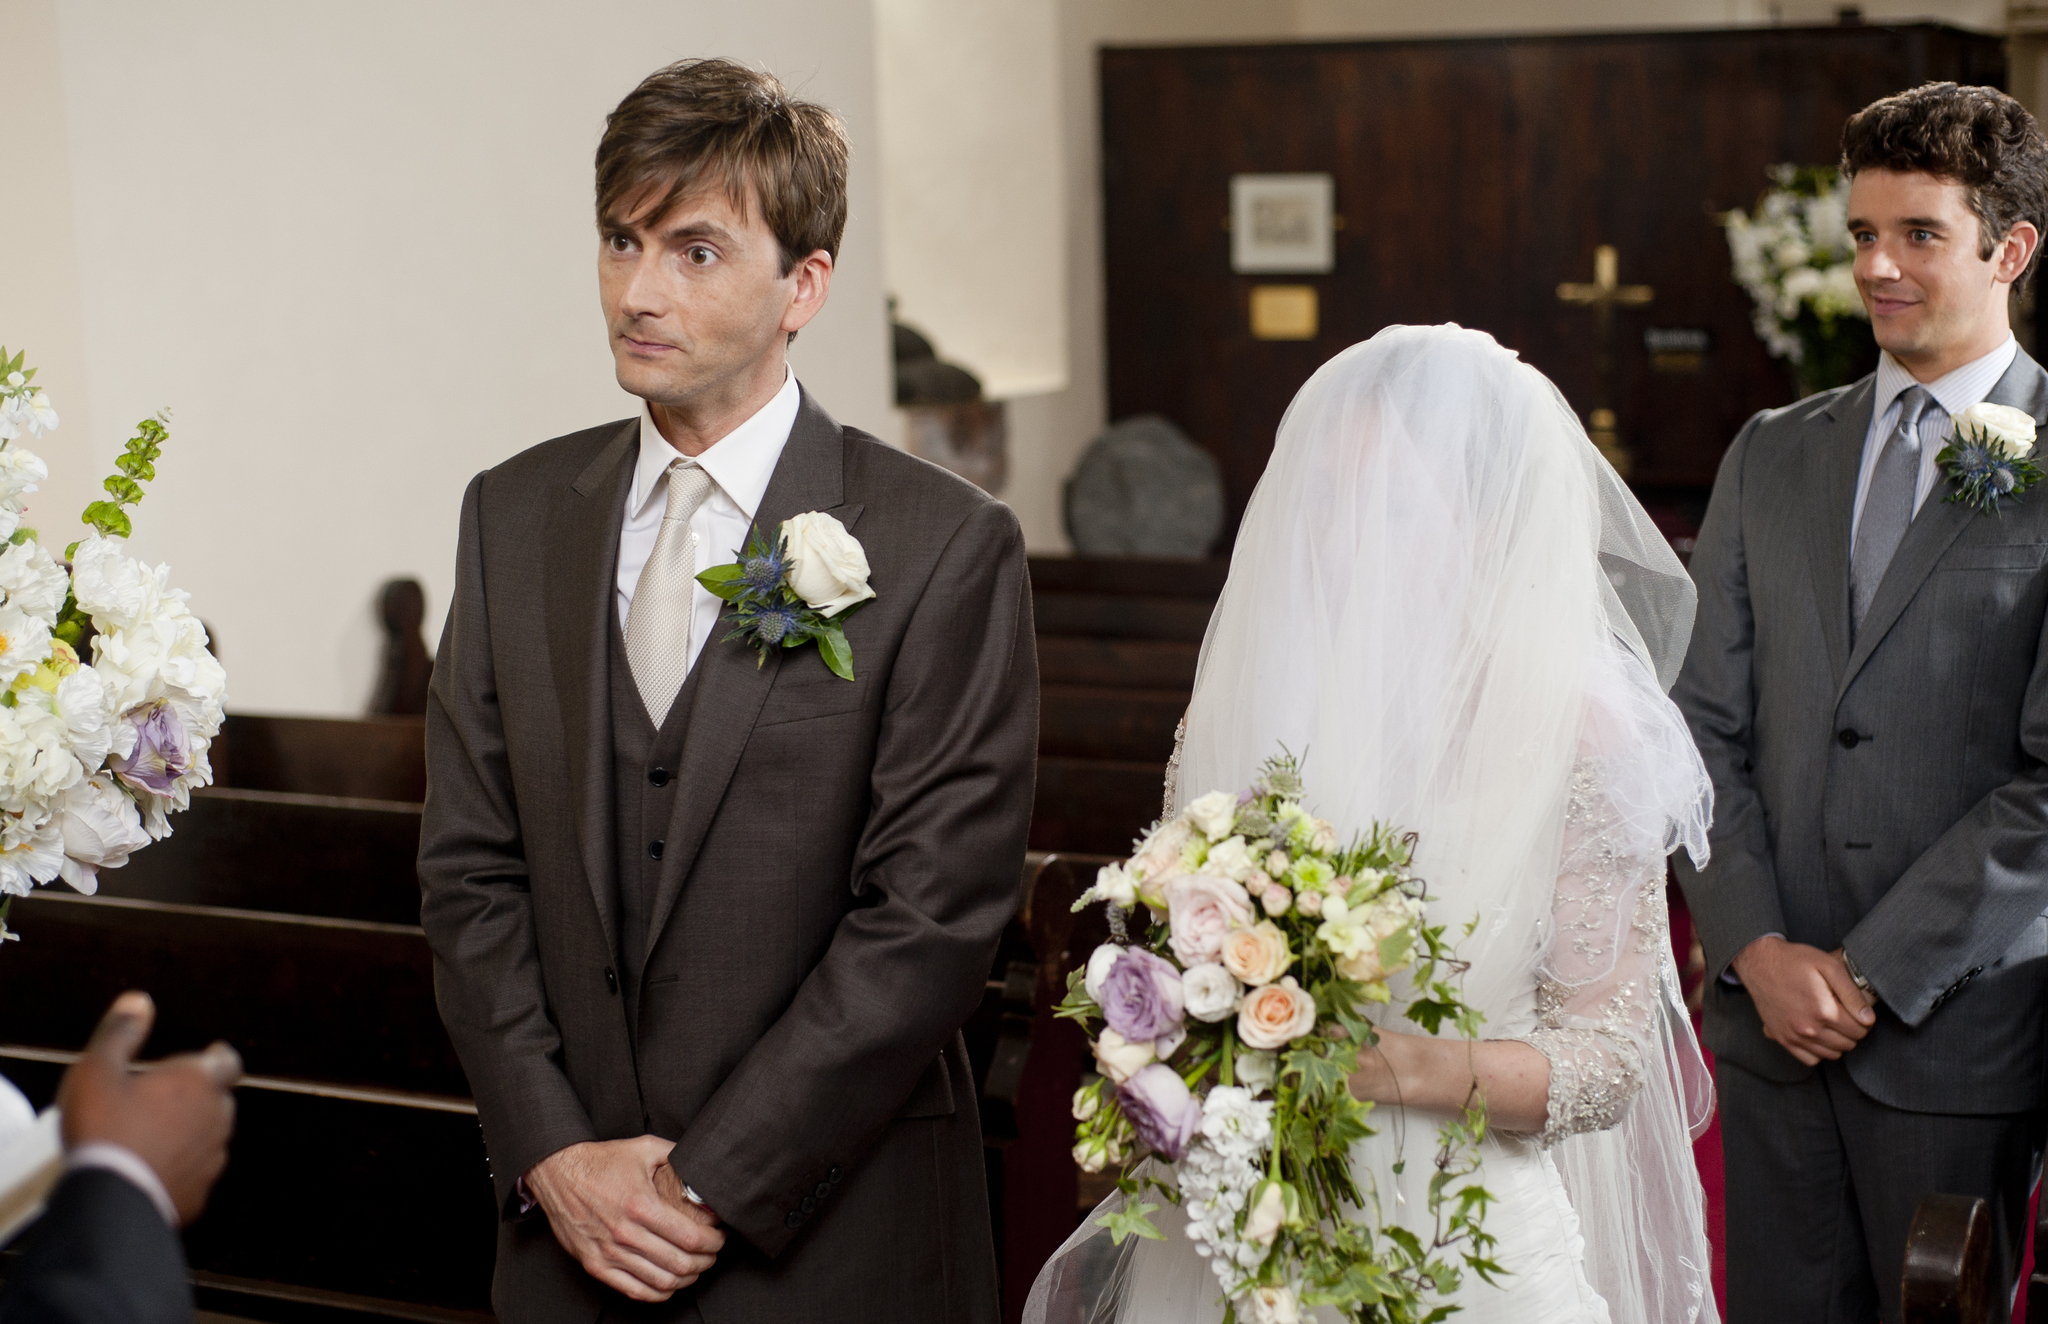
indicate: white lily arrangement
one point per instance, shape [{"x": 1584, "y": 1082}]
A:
[{"x": 109, "y": 697}]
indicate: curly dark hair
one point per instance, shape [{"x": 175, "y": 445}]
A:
[
  {"x": 1976, "y": 136},
  {"x": 699, "y": 123}
]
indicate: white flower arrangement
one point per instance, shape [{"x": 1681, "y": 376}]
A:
[
  {"x": 94, "y": 754},
  {"x": 1796, "y": 260}
]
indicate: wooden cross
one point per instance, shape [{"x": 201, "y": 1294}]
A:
[{"x": 1603, "y": 296}]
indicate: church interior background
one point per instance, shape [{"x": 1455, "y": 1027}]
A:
[{"x": 349, "y": 250}]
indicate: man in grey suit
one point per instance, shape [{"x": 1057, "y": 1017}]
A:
[
  {"x": 705, "y": 920},
  {"x": 1868, "y": 682}
]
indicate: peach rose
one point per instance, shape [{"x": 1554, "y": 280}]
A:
[
  {"x": 1276, "y": 1015},
  {"x": 1257, "y": 955}
]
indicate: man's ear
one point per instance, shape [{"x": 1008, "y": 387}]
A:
[
  {"x": 2016, "y": 250},
  {"x": 813, "y": 276}
]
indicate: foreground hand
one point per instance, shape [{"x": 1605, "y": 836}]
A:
[
  {"x": 1810, "y": 1006},
  {"x": 608, "y": 1211},
  {"x": 175, "y": 1116}
]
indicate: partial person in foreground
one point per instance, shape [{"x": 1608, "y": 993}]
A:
[
  {"x": 1869, "y": 687},
  {"x": 711, "y": 888},
  {"x": 1479, "y": 622},
  {"x": 142, "y": 1151}
]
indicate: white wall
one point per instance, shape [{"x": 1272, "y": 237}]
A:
[
  {"x": 973, "y": 190},
  {"x": 351, "y": 248},
  {"x": 1048, "y": 432}
]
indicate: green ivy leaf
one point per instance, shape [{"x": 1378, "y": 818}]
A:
[
  {"x": 1131, "y": 1221},
  {"x": 1320, "y": 1077}
]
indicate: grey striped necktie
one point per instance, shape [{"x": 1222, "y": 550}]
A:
[
  {"x": 1888, "y": 506},
  {"x": 664, "y": 601}
]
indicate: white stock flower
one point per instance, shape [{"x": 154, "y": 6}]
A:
[
  {"x": 1209, "y": 992},
  {"x": 24, "y": 643},
  {"x": 101, "y": 829},
  {"x": 31, "y": 852},
  {"x": 21, "y": 471},
  {"x": 1113, "y": 884},
  {"x": 1238, "y": 1125},
  {"x": 1213, "y": 814},
  {"x": 1272, "y": 1305},
  {"x": 32, "y": 581},
  {"x": 115, "y": 589},
  {"x": 2010, "y": 430},
  {"x": 828, "y": 569}
]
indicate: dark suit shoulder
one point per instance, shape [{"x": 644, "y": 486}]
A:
[
  {"x": 562, "y": 459},
  {"x": 878, "y": 473}
]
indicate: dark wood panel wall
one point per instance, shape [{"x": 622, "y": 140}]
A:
[{"x": 1472, "y": 176}]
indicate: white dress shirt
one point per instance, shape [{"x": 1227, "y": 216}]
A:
[
  {"x": 740, "y": 464},
  {"x": 1955, "y": 392}
]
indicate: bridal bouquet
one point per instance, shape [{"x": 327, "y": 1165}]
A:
[
  {"x": 1797, "y": 263},
  {"x": 1227, "y": 1038},
  {"x": 109, "y": 698}
]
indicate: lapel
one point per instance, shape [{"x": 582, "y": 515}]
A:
[
  {"x": 1936, "y": 527},
  {"x": 583, "y": 537},
  {"x": 810, "y": 475},
  {"x": 1834, "y": 455}
]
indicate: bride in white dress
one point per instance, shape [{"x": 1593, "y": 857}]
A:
[{"x": 1445, "y": 599}]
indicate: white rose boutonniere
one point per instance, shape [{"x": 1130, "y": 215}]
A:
[
  {"x": 827, "y": 568},
  {"x": 1990, "y": 456},
  {"x": 798, "y": 591}
]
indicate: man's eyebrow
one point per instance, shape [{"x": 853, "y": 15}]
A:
[{"x": 698, "y": 230}]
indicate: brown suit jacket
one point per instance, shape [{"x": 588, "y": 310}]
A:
[{"x": 841, "y": 862}]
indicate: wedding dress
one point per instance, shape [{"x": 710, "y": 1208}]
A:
[{"x": 1450, "y": 606}]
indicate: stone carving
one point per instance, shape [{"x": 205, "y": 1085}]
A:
[{"x": 1143, "y": 489}]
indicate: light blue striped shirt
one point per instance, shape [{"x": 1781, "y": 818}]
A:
[{"x": 1955, "y": 392}]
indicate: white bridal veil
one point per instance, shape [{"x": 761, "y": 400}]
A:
[{"x": 1443, "y": 599}]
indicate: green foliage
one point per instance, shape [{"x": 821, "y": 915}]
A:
[
  {"x": 1077, "y": 1005},
  {"x": 1133, "y": 1219},
  {"x": 136, "y": 465}
]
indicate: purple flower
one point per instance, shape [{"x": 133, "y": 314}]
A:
[
  {"x": 162, "y": 752},
  {"x": 1141, "y": 996},
  {"x": 1162, "y": 1110}
]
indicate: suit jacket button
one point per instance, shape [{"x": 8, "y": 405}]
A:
[
  {"x": 807, "y": 1204},
  {"x": 1848, "y": 739},
  {"x": 824, "y": 1189},
  {"x": 794, "y": 1221},
  {"x": 654, "y": 849},
  {"x": 833, "y": 1175},
  {"x": 611, "y": 980},
  {"x": 659, "y": 776}
]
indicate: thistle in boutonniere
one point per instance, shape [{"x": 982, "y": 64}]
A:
[
  {"x": 1991, "y": 455},
  {"x": 797, "y": 590}
]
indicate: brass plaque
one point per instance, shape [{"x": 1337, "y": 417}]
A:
[{"x": 1283, "y": 312}]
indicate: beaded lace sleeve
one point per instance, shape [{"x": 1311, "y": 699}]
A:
[
  {"x": 1172, "y": 791},
  {"x": 1597, "y": 995}
]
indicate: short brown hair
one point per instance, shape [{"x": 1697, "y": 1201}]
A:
[
  {"x": 703, "y": 122},
  {"x": 1976, "y": 136}
]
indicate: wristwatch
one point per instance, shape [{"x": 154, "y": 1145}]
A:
[{"x": 1855, "y": 974}]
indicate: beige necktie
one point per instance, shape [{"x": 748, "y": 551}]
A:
[{"x": 658, "y": 622}]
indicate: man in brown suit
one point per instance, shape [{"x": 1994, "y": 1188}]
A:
[{"x": 705, "y": 926}]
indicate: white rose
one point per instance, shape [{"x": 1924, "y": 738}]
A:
[
  {"x": 1166, "y": 1044},
  {"x": 827, "y": 567},
  {"x": 1272, "y": 1305},
  {"x": 1262, "y": 1224},
  {"x": 1099, "y": 962},
  {"x": 1087, "y": 1102},
  {"x": 2010, "y": 430},
  {"x": 1256, "y": 1070},
  {"x": 1208, "y": 992},
  {"x": 101, "y": 830},
  {"x": 1121, "y": 1059},
  {"x": 1213, "y": 814},
  {"x": 1230, "y": 859}
]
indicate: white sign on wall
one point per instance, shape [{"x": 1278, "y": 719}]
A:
[{"x": 1282, "y": 223}]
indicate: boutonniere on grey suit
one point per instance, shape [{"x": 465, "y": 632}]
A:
[
  {"x": 1990, "y": 457},
  {"x": 798, "y": 591}
]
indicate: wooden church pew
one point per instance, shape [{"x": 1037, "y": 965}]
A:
[{"x": 369, "y": 758}]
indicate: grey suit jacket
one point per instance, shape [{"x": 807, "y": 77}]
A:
[
  {"x": 842, "y": 860},
  {"x": 1891, "y": 795}
]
